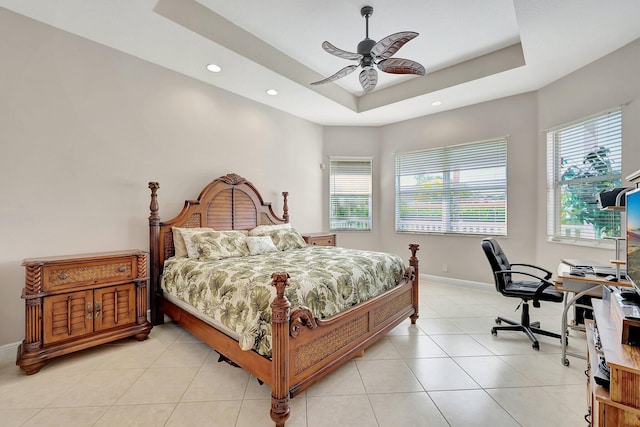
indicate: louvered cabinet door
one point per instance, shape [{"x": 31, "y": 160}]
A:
[
  {"x": 67, "y": 316},
  {"x": 114, "y": 306}
]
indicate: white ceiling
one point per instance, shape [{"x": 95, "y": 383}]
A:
[{"x": 473, "y": 50}]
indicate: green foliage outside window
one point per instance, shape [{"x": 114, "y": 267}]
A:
[{"x": 579, "y": 186}]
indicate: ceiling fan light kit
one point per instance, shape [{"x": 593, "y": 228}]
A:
[{"x": 371, "y": 54}]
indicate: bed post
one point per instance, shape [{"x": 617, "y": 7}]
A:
[
  {"x": 280, "y": 350},
  {"x": 285, "y": 208},
  {"x": 157, "y": 317},
  {"x": 413, "y": 262}
]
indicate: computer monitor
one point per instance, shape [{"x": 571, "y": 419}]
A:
[{"x": 633, "y": 238}]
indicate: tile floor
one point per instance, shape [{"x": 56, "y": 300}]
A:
[{"x": 448, "y": 370}]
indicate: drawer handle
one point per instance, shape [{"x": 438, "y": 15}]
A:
[
  {"x": 63, "y": 276},
  {"x": 97, "y": 305},
  {"x": 122, "y": 269},
  {"x": 89, "y": 310}
]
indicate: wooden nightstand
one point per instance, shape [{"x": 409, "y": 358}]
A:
[
  {"x": 320, "y": 239},
  {"x": 80, "y": 301}
]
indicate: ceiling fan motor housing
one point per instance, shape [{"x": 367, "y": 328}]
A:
[{"x": 364, "y": 48}]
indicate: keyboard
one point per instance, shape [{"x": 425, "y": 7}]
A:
[{"x": 602, "y": 375}]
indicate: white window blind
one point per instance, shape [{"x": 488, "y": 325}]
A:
[
  {"x": 458, "y": 189},
  {"x": 350, "y": 194},
  {"x": 583, "y": 159}
]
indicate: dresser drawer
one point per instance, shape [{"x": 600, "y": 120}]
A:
[
  {"x": 62, "y": 276},
  {"x": 328, "y": 239}
]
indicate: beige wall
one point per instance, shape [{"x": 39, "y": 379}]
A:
[
  {"x": 611, "y": 81},
  {"x": 514, "y": 117},
  {"x": 354, "y": 141},
  {"x": 84, "y": 128}
]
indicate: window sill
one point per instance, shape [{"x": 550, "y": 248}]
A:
[{"x": 595, "y": 244}]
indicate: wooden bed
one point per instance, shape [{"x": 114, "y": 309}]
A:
[{"x": 304, "y": 349}]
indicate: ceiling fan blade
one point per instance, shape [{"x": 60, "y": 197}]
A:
[
  {"x": 389, "y": 45},
  {"x": 401, "y": 66},
  {"x": 368, "y": 79},
  {"x": 328, "y": 47},
  {"x": 346, "y": 70}
]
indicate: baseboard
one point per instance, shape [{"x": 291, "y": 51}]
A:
[
  {"x": 8, "y": 352},
  {"x": 469, "y": 284}
]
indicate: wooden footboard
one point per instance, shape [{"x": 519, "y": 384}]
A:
[{"x": 306, "y": 349}]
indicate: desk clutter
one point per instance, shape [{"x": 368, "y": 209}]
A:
[
  {"x": 581, "y": 272},
  {"x": 613, "y": 369},
  {"x": 581, "y": 267},
  {"x": 624, "y": 308}
]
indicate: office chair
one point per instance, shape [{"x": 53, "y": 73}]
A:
[{"x": 526, "y": 289}]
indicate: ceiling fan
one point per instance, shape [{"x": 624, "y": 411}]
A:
[{"x": 372, "y": 54}]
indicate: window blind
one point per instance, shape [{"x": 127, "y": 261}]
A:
[
  {"x": 583, "y": 159},
  {"x": 457, "y": 189},
  {"x": 350, "y": 194}
]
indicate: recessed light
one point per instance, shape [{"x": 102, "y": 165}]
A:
[
  {"x": 272, "y": 92},
  {"x": 436, "y": 103},
  {"x": 214, "y": 68}
]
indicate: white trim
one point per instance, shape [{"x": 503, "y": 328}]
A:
[
  {"x": 479, "y": 286},
  {"x": 351, "y": 158},
  {"x": 8, "y": 352},
  {"x": 632, "y": 177},
  {"x": 584, "y": 119},
  {"x": 481, "y": 141}
]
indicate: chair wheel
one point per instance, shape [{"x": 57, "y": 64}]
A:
[
  {"x": 498, "y": 322},
  {"x": 536, "y": 345},
  {"x": 565, "y": 361},
  {"x": 494, "y": 331}
]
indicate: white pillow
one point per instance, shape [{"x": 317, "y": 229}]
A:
[
  {"x": 262, "y": 229},
  {"x": 179, "y": 243},
  {"x": 260, "y": 245}
]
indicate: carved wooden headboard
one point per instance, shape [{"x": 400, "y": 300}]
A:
[{"x": 227, "y": 203}]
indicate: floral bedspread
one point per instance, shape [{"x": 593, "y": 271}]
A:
[{"x": 237, "y": 291}]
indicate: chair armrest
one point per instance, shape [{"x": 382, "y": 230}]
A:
[
  {"x": 544, "y": 283},
  {"x": 536, "y": 297},
  {"x": 548, "y": 274}
]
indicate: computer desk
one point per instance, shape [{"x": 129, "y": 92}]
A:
[{"x": 589, "y": 284}]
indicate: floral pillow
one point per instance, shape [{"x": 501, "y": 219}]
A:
[
  {"x": 286, "y": 239},
  {"x": 214, "y": 245},
  {"x": 261, "y": 230},
  {"x": 260, "y": 245},
  {"x": 183, "y": 235}
]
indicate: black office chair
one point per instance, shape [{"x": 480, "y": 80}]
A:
[{"x": 540, "y": 289}]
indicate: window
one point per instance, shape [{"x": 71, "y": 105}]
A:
[
  {"x": 459, "y": 189},
  {"x": 583, "y": 159},
  {"x": 350, "y": 194}
]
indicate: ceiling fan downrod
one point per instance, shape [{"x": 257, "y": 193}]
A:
[
  {"x": 366, "y": 12},
  {"x": 364, "y": 47}
]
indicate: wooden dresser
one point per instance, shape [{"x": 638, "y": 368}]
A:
[
  {"x": 80, "y": 301},
  {"x": 620, "y": 405},
  {"x": 320, "y": 239}
]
